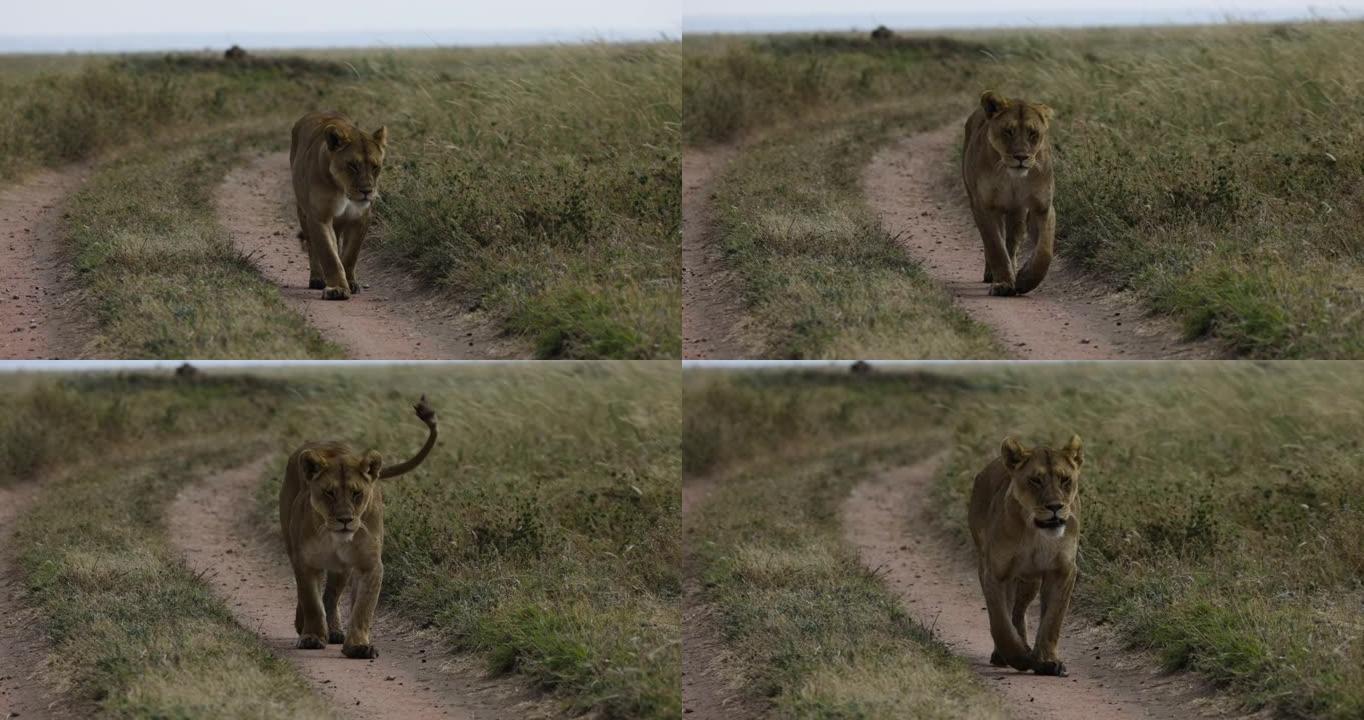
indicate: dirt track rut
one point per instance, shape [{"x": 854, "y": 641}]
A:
[
  {"x": 411, "y": 678},
  {"x": 1068, "y": 318},
  {"x": 35, "y": 321},
  {"x": 711, "y": 311},
  {"x": 886, "y": 520},
  {"x": 391, "y": 318}
]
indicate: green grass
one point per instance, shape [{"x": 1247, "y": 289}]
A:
[
  {"x": 806, "y": 628},
  {"x": 161, "y": 277},
  {"x": 820, "y": 277},
  {"x": 538, "y": 184},
  {"x": 131, "y": 629},
  {"x": 1211, "y": 170},
  {"x": 1220, "y": 505},
  {"x": 540, "y": 535}
]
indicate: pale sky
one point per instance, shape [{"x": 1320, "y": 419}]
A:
[{"x": 558, "y": 17}]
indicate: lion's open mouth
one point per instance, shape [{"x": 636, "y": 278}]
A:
[{"x": 1054, "y": 521}]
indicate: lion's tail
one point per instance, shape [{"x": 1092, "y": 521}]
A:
[
  {"x": 428, "y": 416},
  {"x": 1035, "y": 269}
]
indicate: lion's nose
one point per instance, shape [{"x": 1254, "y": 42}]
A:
[
  {"x": 344, "y": 520},
  {"x": 1055, "y": 507},
  {"x": 1020, "y": 158}
]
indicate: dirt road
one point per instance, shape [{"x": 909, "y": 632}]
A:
[
  {"x": 711, "y": 311},
  {"x": 411, "y": 678},
  {"x": 391, "y": 318},
  {"x": 886, "y": 519},
  {"x": 35, "y": 317},
  {"x": 1067, "y": 318}
]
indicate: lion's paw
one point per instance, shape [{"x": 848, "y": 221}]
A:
[
  {"x": 1003, "y": 289},
  {"x": 1050, "y": 667},
  {"x": 316, "y": 283},
  {"x": 336, "y": 637},
  {"x": 997, "y": 660},
  {"x": 310, "y": 642},
  {"x": 360, "y": 652},
  {"x": 335, "y": 293}
]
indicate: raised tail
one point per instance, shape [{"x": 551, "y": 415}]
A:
[{"x": 428, "y": 416}]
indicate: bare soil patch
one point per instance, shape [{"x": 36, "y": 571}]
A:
[
  {"x": 1070, "y": 317},
  {"x": 886, "y": 520},
  {"x": 711, "y": 310},
  {"x": 391, "y": 318},
  {"x": 35, "y": 289},
  {"x": 413, "y": 677}
]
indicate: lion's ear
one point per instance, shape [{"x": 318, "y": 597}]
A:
[
  {"x": 992, "y": 103},
  {"x": 374, "y": 462},
  {"x": 336, "y": 137},
  {"x": 381, "y": 136},
  {"x": 1045, "y": 111},
  {"x": 313, "y": 464},
  {"x": 1013, "y": 452},
  {"x": 1074, "y": 451}
]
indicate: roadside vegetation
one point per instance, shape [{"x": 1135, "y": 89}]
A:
[
  {"x": 540, "y": 535},
  {"x": 808, "y": 630},
  {"x": 539, "y": 184},
  {"x": 1234, "y": 554},
  {"x": 1212, "y": 171}
]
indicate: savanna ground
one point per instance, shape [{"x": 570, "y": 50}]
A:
[
  {"x": 1215, "y": 172},
  {"x": 537, "y": 184},
  {"x": 540, "y": 535},
  {"x": 1221, "y": 517}
]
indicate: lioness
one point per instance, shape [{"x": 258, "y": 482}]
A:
[
  {"x": 336, "y": 167},
  {"x": 1006, "y": 165},
  {"x": 331, "y": 510},
  {"x": 1025, "y": 521}
]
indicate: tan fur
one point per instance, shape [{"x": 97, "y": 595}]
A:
[
  {"x": 1015, "y": 493},
  {"x": 1007, "y": 168},
  {"x": 331, "y": 512},
  {"x": 335, "y": 168}
]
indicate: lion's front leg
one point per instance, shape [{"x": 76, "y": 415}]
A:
[
  {"x": 322, "y": 245},
  {"x": 364, "y": 597},
  {"x": 352, "y": 237},
  {"x": 1056, "y": 589},
  {"x": 336, "y": 583},
  {"x": 1010, "y": 649},
  {"x": 312, "y": 630},
  {"x": 998, "y": 269}
]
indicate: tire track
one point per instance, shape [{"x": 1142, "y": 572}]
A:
[
  {"x": 35, "y": 320},
  {"x": 711, "y": 311},
  {"x": 412, "y": 677},
  {"x": 886, "y": 520},
  {"x": 1070, "y": 317},
  {"x": 391, "y": 318}
]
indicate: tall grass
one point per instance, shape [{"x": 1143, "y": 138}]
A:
[
  {"x": 539, "y": 184},
  {"x": 1220, "y": 507},
  {"x": 1215, "y": 171}
]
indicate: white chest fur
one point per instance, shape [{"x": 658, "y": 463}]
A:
[
  {"x": 330, "y": 551},
  {"x": 348, "y": 210}
]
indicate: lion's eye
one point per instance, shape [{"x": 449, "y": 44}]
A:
[
  {"x": 1008, "y": 132},
  {"x": 1035, "y": 480},
  {"x": 357, "y": 496},
  {"x": 1032, "y": 135},
  {"x": 330, "y": 493}
]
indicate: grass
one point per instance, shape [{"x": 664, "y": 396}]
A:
[
  {"x": 540, "y": 535},
  {"x": 1220, "y": 509},
  {"x": 539, "y": 184},
  {"x": 161, "y": 277},
  {"x": 1211, "y": 170},
  {"x": 820, "y": 277},
  {"x": 131, "y": 629},
  {"x": 805, "y": 626}
]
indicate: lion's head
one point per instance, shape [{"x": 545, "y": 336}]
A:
[
  {"x": 1044, "y": 481},
  {"x": 356, "y": 159},
  {"x": 341, "y": 486},
  {"x": 1017, "y": 130}
]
